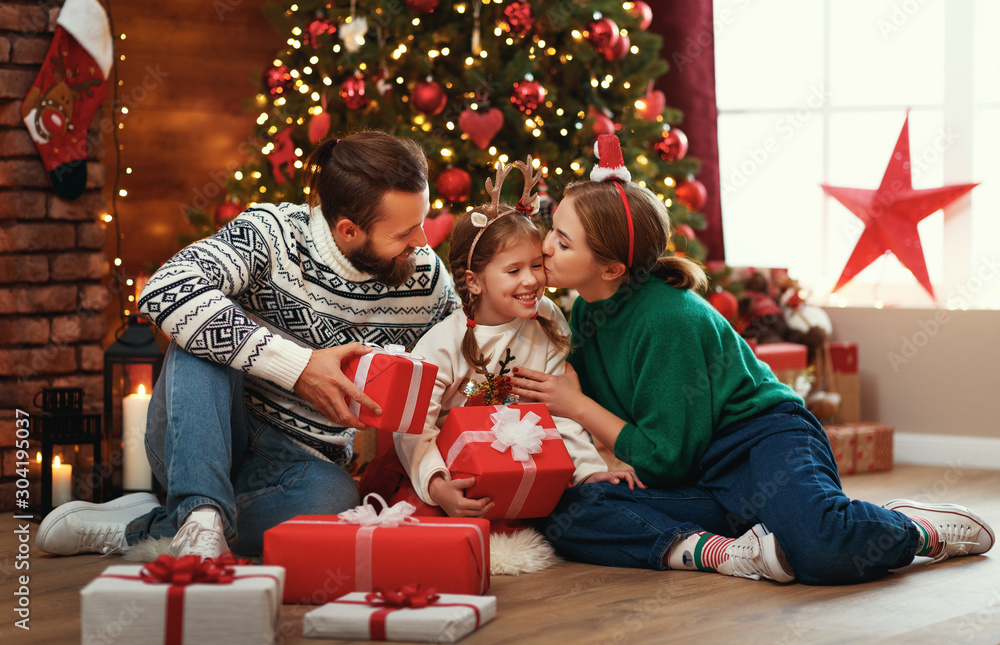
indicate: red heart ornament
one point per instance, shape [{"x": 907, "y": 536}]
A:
[
  {"x": 481, "y": 126},
  {"x": 655, "y": 102},
  {"x": 437, "y": 229}
]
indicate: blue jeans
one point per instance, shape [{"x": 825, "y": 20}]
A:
[
  {"x": 777, "y": 469},
  {"x": 205, "y": 449}
]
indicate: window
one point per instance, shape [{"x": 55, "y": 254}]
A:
[{"x": 816, "y": 91}]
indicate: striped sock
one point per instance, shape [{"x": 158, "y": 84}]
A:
[
  {"x": 711, "y": 553},
  {"x": 930, "y": 543}
]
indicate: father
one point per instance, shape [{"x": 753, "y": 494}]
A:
[{"x": 249, "y": 424}]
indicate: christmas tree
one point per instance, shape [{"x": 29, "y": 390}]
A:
[{"x": 474, "y": 82}]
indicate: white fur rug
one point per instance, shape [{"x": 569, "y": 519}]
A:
[{"x": 511, "y": 554}]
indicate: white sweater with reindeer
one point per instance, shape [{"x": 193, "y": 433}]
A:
[{"x": 519, "y": 343}]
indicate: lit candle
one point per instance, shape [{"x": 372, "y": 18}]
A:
[
  {"x": 62, "y": 482},
  {"x": 137, "y": 474}
]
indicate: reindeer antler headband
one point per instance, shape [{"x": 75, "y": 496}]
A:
[
  {"x": 612, "y": 168},
  {"x": 489, "y": 213}
]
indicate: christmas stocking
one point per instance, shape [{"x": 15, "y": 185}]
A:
[{"x": 69, "y": 89}]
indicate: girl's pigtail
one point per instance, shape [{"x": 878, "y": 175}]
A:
[{"x": 470, "y": 347}]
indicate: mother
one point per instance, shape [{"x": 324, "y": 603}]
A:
[{"x": 721, "y": 444}]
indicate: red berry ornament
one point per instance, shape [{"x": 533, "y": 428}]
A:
[
  {"x": 278, "y": 80},
  {"x": 353, "y": 93},
  {"x": 528, "y": 95},
  {"x": 519, "y": 19}
]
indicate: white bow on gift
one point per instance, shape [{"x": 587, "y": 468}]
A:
[
  {"x": 366, "y": 515},
  {"x": 522, "y": 435}
]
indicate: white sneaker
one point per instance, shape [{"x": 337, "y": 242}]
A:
[
  {"x": 83, "y": 527},
  {"x": 756, "y": 554},
  {"x": 202, "y": 534},
  {"x": 961, "y": 531}
]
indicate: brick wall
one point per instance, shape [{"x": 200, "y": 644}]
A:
[{"x": 54, "y": 276}]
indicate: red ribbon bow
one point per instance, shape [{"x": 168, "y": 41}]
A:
[
  {"x": 186, "y": 570},
  {"x": 413, "y": 596}
]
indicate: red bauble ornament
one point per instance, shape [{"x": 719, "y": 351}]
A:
[
  {"x": 528, "y": 95},
  {"x": 725, "y": 303},
  {"x": 353, "y": 93},
  {"x": 226, "y": 212},
  {"x": 641, "y": 12},
  {"x": 619, "y": 50},
  {"x": 454, "y": 185},
  {"x": 481, "y": 125},
  {"x": 429, "y": 97},
  {"x": 891, "y": 214},
  {"x": 691, "y": 193},
  {"x": 318, "y": 27},
  {"x": 602, "y": 124},
  {"x": 519, "y": 18},
  {"x": 684, "y": 231},
  {"x": 319, "y": 124},
  {"x": 278, "y": 80},
  {"x": 422, "y": 6},
  {"x": 673, "y": 145},
  {"x": 603, "y": 34}
]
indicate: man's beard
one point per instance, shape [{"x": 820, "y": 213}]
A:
[{"x": 391, "y": 272}]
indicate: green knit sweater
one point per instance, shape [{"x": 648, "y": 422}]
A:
[{"x": 673, "y": 368}]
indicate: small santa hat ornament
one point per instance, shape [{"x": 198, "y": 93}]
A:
[{"x": 612, "y": 165}]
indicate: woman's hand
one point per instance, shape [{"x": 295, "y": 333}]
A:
[
  {"x": 616, "y": 477},
  {"x": 449, "y": 494},
  {"x": 562, "y": 394}
]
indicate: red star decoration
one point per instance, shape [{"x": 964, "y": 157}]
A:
[{"x": 891, "y": 214}]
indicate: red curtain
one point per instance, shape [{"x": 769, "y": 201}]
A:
[{"x": 689, "y": 48}]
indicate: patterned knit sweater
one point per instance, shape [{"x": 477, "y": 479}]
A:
[{"x": 272, "y": 286}]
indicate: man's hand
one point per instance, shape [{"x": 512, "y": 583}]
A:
[
  {"x": 323, "y": 385},
  {"x": 449, "y": 494}
]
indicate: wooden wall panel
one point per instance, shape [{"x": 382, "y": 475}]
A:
[{"x": 186, "y": 78}]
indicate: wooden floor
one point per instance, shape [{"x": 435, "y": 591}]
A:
[{"x": 957, "y": 601}]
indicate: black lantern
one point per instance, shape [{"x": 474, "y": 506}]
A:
[
  {"x": 131, "y": 366},
  {"x": 63, "y": 423}
]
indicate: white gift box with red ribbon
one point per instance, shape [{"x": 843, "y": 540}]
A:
[
  {"x": 408, "y": 614},
  {"x": 126, "y": 605}
]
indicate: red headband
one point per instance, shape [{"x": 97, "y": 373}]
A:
[{"x": 612, "y": 168}]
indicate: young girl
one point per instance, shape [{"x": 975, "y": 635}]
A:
[
  {"x": 663, "y": 378},
  {"x": 496, "y": 261}
]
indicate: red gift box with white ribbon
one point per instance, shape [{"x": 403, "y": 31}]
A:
[
  {"x": 363, "y": 549},
  {"x": 515, "y": 454},
  {"x": 399, "y": 382}
]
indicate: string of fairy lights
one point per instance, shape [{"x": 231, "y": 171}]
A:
[{"x": 308, "y": 82}]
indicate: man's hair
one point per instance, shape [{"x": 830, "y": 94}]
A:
[{"x": 349, "y": 177}]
